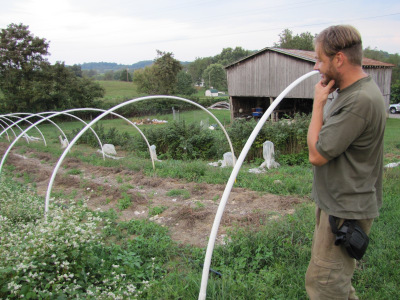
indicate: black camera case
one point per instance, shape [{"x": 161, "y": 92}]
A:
[{"x": 351, "y": 236}]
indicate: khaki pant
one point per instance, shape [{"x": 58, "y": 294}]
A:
[{"x": 331, "y": 268}]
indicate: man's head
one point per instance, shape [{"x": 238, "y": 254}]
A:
[
  {"x": 337, "y": 48},
  {"x": 341, "y": 38}
]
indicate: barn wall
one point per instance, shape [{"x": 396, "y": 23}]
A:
[
  {"x": 254, "y": 81},
  {"x": 268, "y": 74},
  {"x": 382, "y": 77},
  {"x": 286, "y": 69},
  {"x": 250, "y": 78}
]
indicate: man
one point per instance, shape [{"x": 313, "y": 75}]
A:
[{"x": 345, "y": 143}]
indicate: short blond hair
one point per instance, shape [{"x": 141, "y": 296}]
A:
[{"x": 341, "y": 38}]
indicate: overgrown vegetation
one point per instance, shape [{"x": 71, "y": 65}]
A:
[
  {"x": 78, "y": 253},
  {"x": 183, "y": 140},
  {"x": 71, "y": 254}
]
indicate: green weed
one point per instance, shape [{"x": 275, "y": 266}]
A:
[
  {"x": 185, "y": 194},
  {"x": 125, "y": 202},
  {"x": 156, "y": 210}
]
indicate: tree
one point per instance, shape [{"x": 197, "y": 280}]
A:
[
  {"x": 21, "y": 58},
  {"x": 161, "y": 77},
  {"x": 229, "y": 55},
  {"x": 109, "y": 75},
  {"x": 30, "y": 83},
  {"x": 125, "y": 75},
  {"x": 166, "y": 69},
  {"x": 395, "y": 92},
  {"x": 215, "y": 76},
  {"x": 184, "y": 85},
  {"x": 77, "y": 70},
  {"x": 196, "y": 68},
  {"x": 388, "y": 58},
  {"x": 146, "y": 81},
  {"x": 304, "y": 41}
]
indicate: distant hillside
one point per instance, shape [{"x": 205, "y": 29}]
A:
[
  {"x": 103, "y": 67},
  {"x": 107, "y": 66}
]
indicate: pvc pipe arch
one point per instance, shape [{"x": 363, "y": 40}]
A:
[
  {"x": 71, "y": 115},
  {"x": 53, "y": 114},
  {"x": 235, "y": 171},
  {"x": 55, "y": 124},
  {"x": 15, "y": 116},
  {"x": 130, "y": 122},
  {"x": 49, "y": 188},
  {"x": 3, "y": 118},
  {"x": 8, "y": 127},
  {"x": 8, "y": 137}
]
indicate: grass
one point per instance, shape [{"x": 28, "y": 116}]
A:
[
  {"x": 267, "y": 263},
  {"x": 392, "y": 142}
]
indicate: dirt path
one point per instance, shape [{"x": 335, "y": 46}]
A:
[{"x": 189, "y": 220}]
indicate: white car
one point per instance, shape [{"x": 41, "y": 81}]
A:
[{"x": 394, "y": 108}]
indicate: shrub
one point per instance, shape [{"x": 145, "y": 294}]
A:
[
  {"x": 289, "y": 138},
  {"x": 112, "y": 136},
  {"x": 178, "y": 140}
]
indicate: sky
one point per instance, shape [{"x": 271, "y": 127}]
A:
[{"x": 128, "y": 31}]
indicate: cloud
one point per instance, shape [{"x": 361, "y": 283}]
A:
[{"x": 126, "y": 31}]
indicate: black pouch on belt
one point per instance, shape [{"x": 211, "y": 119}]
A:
[{"x": 351, "y": 236}]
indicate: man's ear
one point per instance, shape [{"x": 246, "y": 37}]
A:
[{"x": 340, "y": 59}]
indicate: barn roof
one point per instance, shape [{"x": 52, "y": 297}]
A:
[{"x": 311, "y": 57}]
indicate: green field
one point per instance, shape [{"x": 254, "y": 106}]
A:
[{"x": 119, "y": 91}]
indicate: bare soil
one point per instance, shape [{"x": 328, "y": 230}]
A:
[{"x": 189, "y": 220}]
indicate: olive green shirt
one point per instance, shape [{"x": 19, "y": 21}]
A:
[{"x": 349, "y": 185}]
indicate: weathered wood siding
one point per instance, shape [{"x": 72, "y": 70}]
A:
[
  {"x": 268, "y": 74},
  {"x": 382, "y": 77},
  {"x": 253, "y": 82}
]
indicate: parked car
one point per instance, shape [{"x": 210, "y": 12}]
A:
[{"x": 394, "y": 108}]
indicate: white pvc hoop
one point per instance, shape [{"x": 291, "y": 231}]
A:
[
  {"x": 8, "y": 127},
  {"x": 8, "y": 137},
  {"x": 53, "y": 114},
  {"x": 130, "y": 122},
  {"x": 13, "y": 123},
  {"x": 60, "y": 160},
  {"x": 30, "y": 127},
  {"x": 15, "y": 116},
  {"x": 30, "y": 115},
  {"x": 232, "y": 178}
]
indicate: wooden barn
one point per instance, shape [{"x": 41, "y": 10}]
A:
[{"x": 256, "y": 80}]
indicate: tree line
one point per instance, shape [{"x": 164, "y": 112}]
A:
[{"x": 28, "y": 82}]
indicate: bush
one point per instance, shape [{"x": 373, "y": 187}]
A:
[
  {"x": 289, "y": 138},
  {"x": 180, "y": 141},
  {"x": 112, "y": 136}
]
